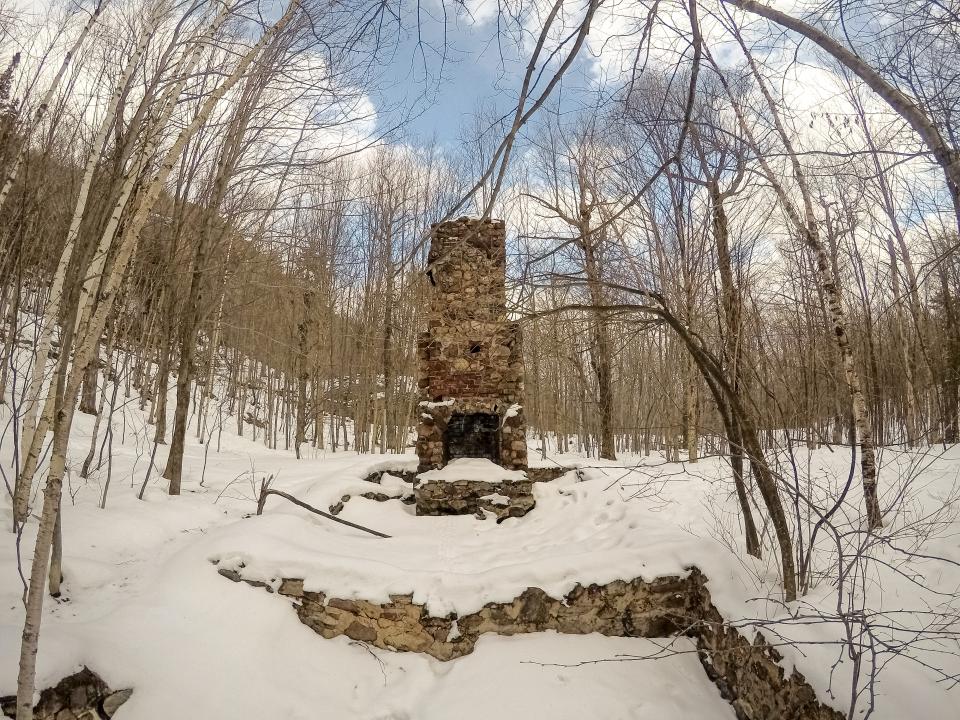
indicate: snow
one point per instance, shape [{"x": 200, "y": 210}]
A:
[
  {"x": 474, "y": 470},
  {"x": 393, "y": 486},
  {"x": 540, "y": 676},
  {"x": 497, "y": 499},
  {"x": 578, "y": 533},
  {"x": 513, "y": 411},
  {"x": 145, "y": 608},
  {"x": 436, "y": 403}
]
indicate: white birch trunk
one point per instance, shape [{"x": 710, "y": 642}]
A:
[
  {"x": 41, "y": 110},
  {"x": 85, "y": 343},
  {"x": 52, "y": 312},
  {"x": 829, "y": 283},
  {"x": 167, "y": 105}
]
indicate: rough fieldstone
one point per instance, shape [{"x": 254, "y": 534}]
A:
[
  {"x": 359, "y": 631},
  {"x": 81, "y": 696},
  {"x": 468, "y": 497}
]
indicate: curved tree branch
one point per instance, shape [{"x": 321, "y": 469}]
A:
[{"x": 946, "y": 156}]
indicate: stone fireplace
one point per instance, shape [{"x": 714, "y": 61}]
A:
[{"x": 471, "y": 368}]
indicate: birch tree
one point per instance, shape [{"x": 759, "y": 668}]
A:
[{"x": 87, "y": 337}]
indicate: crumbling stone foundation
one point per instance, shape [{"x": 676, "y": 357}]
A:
[
  {"x": 81, "y": 696},
  {"x": 621, "y": 609},
  {"x": 471, "y": 497},
  {"x": 746, "y": 671},
  {"x": 750, "y": 677},
  {"x": 502, "y": 500}
]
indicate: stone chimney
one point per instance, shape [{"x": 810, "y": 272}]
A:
[{"x": 471, "y": 367}]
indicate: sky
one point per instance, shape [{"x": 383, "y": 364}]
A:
[{"x": 439, "y": 79}]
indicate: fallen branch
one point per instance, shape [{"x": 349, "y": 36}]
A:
[{"x": 265, "y": 490}]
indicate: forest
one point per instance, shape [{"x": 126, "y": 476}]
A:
[{"x": 732, "y": 258}]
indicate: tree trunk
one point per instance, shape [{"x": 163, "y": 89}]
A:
[
  {"x": 162, "y": 391},
  {"x": 733, "y": 350},
  {"x": 88, "y": 393},
  {"x": 690, "y": 412},
  {"x": 807, "y": 227},
  {"x": 600, "y": 350},
  {"x": 14, "y": 169},
  {"x": 951, "y": 373},
  {"x": 387, "y": 349},
  {"x": 188, "y": 344}
]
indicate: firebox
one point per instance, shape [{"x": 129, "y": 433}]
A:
[
  {"x": 470, "y": 360},
  {"x": 471, "y": 436}
]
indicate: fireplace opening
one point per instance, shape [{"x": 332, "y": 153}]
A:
[{"x": 471, "y": 435}]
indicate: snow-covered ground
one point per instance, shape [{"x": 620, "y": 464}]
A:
[
  {"x": 144, "y": 607},
  {"x": 474, "y": 470}
]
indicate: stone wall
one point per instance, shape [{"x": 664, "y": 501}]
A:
[
  {"x": 746, "y": 670},
  {"x": 469, "y": 356},
  {"x": 469, "y": 497},
  {"x": 468, "y": 346},
  {"x": 464, "y": 497},
  {"x": 750, "y": 677},
  {"x": 635, "y": 609}
]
